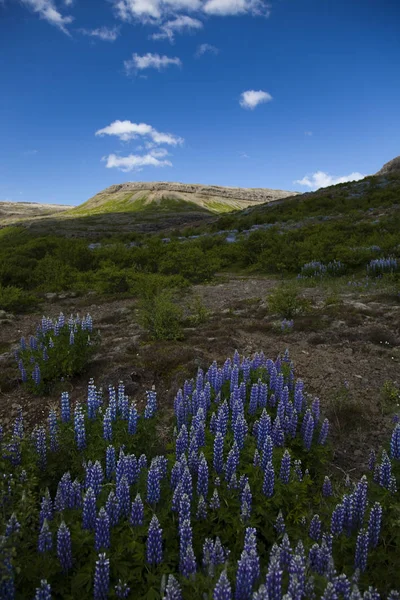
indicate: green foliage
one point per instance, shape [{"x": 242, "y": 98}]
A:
[
  {"x": 198, "y": 312},
  {"x": 286, "y": 301},
  {"x": 390, "y": 397},
  {"x": 16, "y": 300},
  {"x": 161, "y": 316}
]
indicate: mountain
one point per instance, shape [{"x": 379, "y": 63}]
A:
[
  {"x": 391, "y": 167},
  {"x": 166, "y": 196}
]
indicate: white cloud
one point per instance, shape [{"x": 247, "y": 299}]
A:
[
  {"x": 47, "y": 10},
  {"x": 68, "y": 2},
  {"x": 308, "y": 133},
  {"x": 150, "y": 61},
  {"x": 243, "y": 155},
  {"x": 107, "y": 34},
  {"x": 30, "y": 152},
  {"x": 155, "y": 11},
  {"x": 204, "y": 48},
  {"x": 134, "y": 162},
  {"x": 126, "y": 130},
  {"x": 237, "y": 7},
  {"x": 251, "y": 98},
  {"x": 177, "y": 25},
  {"x": 319, "y": 179}
]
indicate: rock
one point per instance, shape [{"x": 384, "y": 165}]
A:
[
  {"x": 3, "y": 314},
  {"x": 50, "y": 295},
  {"x": 393, "y": 166}
]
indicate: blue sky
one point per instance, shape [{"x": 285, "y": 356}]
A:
[{"x": 280, "y": 94}]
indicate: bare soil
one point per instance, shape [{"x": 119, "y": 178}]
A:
[{"x": 344, "y": 352}]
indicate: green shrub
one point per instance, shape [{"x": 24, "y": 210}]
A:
[
  {"x": 198, "y": 312},
  {"x": 161, "y": 316},
  {"x": 14, "y": 299},
  {"x": 286, "y": 301}
]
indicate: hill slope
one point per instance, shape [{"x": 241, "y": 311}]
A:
[{"x": 11, "y": 212}]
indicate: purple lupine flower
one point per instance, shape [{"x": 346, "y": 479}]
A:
[
  {"x": 201, "y": 513},
  {"x": 273, "y": 581},
  {"x": 395, "y": 443},
  {"x": 131, "y": 468},
  {"x": 253, "y": 405},
  {"x": 374, "y": 524},
  {"x": 79, "y": 425},
  {"x": 154, "y": 542},
  {"x": 102, "y": 533},
  {"x": 342, "y": 586},
  {"x": 308, "y": 430},
  {"x": 360, "y": 560},
  {"x": 256, "y": 459},
  {"x": 182, "y": 442},
  {"x": 218, "y": 452},
  {"x": 151, "y": 405},
  {"x": 280, "y": 526},
  {"x": 110, "y": 462},
  {"x": 231, "y": 464},
  {"x": 315, "y": 409},
  {"x": 327, "y": 488},
  {"x": 385, "y": 471},
  {"x": 13, "y": 526},
  {"x": 269, "y": 480},
  {"x": 97, "y": 477},
  {"x": 185, "y": 540},
  {"x": 187, "y": 483},
  {"x": 132, "y": 419},
  {"x": 246, "y": 498},
  {"x": 222, "y": 590},
  {"x": 137, "y": 511},
  {"x": 337, "y": 520},
  {"x": 44, "y": 591},
  {"x": 122, "y": 589},
  {"x": 372, "y": 460},
  {"x": 297, "y": 470},
  {"x": 173, "y": 590},
  {"x": 89, "y": 510},
  {"x": 360, "y": 501},
  {"x": 222, "y": 419},
  {"x": 41, "y": 449},
  {"x": 215, "y": 501},
  {"x": 264, "y": 429},
  {"x": 188, "y": 565},
  {"x": 240, "y": 430},
  {"x": 36, "y": 376},
  {"x": 64, "y": 549},
  {"x": 113, "y": 508},
  {"x": 323, "y": 434},
  {"x": 202, "y": 481},
  {"x": 76, "y": 494},
  {"x": 267, "y": 451},
  {"x": 92, "y": 403},
  {"x": 278, "y": 436},
  {"x": 284, "y": 474},
  {"x": 285, "y": 552},
  {"x": 315, "y": 528},
  {"x": 101, "y": 578},
  {"x": 112, "y": 402},
  {"x": 107, "y": 425},
  {"x": 65, "y": 407},
  {"x": 122, "y": 492},
  {"x": 45, "y": 540},
  {"x": 53, "y": 428},
  {"x": 153, "y": 485},
  {"x": 46, "y": 509},
  {"x": 348, "y": 512},
  {"x": 244, "y": 577}
]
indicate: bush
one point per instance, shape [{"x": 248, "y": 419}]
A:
[
  {"x": 90, "y": 505},
  {"x": 161, "y": 316},
  {"x": 14, "y": 299},
  {"x": 285, "y": 301},
  {"x": 60, "y": 350}
]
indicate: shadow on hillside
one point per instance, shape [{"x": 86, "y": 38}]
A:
[{"x": 92, "y": 226}]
